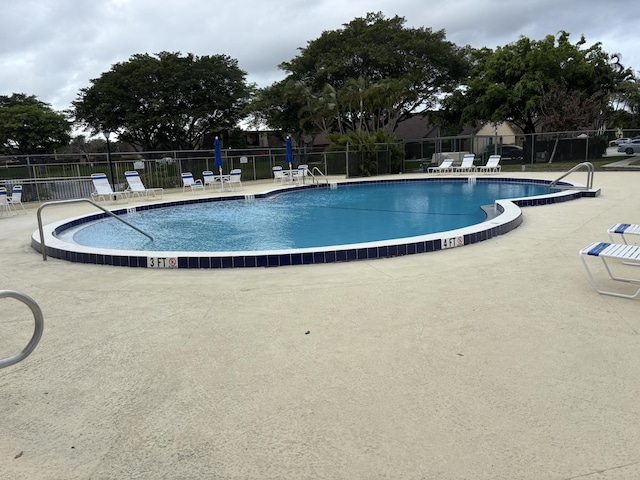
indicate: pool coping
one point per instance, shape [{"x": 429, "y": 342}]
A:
[{"x": 508, "y": 217}]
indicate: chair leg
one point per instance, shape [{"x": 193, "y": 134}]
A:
[{"x": 613, "y": 277}]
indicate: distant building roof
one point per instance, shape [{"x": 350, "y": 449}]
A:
[{"x": 415, "y": 127}]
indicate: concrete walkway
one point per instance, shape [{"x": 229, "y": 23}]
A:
[
  {"x": 492, "y": 361},
  {"x": 626, "y": 163}
]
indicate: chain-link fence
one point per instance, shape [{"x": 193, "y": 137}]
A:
[
  {"x": 58, "y": 177},
  {"x": 574, "y": 146}
]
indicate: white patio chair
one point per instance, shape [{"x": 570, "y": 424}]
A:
[
  {"x": 103, "y": 188},
  {"x": 212, "y": 179},
  {"x": 136, "y": 187},
  {"x": 5, "y": 209},
  {"x": 623, "y": 229},
  {"x": 278, "y": 175},
  {"x": 467, "y": 165},
  {"x": 492, "y": 165},
  {"x": 626, "y": 254},
  {"x": 235, "y": 179},
  {"x": 300, "y": 174},
  {"x": 16, "y": 198},
  {"x": 209, "y": 179},
  {"x": 444, "y": 167},
  {"x": 189, "y": 181}
]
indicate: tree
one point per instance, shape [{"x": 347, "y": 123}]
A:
[
  {"x": 376, "y": 66},
  {"x": 378, "y": 48},
  {"x": 507, "y": 84},
  {"x": 271, "y": 108},
  {"x": 85, "y": 147},
  {"x": 283, "y": 106},
  {"x": 381, "y": 105},
  {"x": 367, "y": 146},
  {"x": 28, "y": 126},
  {"x": 624, "y": 106},
  {"x": 355, "y": 94},
  {"x": 321, "y": 109},
  {"x": 562, "y": 110},
  {"x": 166, "y": 101}
]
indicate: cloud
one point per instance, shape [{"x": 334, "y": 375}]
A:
[{"x": 52, "y": 49}]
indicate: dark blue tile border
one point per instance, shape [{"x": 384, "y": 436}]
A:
[{"x": 324, "y": 255}]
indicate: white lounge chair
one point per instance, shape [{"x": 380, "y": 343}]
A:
[
  {"x": 278, "y": 175},
  {"x": 444, "y": 167},
  {"x": 103, "y": 188},
  {"x": 627, "y": 254},
  {"x": 235, "y": 179},
  {"x": 16, "y": 198},
  {"x": 623, "y": 229},
  {"x": 136, "y": 187},
  {"x": 467, "y": 165},
  {"x": 189, "y": 181},
  {"x": 5, "y": 209},
  {"x": 492, "y": 165}
]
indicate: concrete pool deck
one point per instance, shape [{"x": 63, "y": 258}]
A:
[{"x": 496, "y": 360}]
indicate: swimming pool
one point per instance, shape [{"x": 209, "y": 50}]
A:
[
  {"x": 316, "y": 217},
  {"x": 264, "y": 230}
]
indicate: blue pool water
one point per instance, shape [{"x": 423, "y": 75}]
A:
[{"x": 307, "y": 218}]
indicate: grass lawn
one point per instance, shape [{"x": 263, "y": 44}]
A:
[{"x": 563, "y": 166}]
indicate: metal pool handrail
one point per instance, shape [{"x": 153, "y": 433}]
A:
[
  {"x": 590, "y": 172},
  {"x": 37, "y": 333},
  {"x": 316, "y": 169},
  {"x": 79, "y": 200}
]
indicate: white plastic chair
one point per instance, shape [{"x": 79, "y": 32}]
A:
[
  {"x": 189, "y": 181},
  {"x": 492, "y": 165},
  {"x": 623, "y": 229},
  {"x": 300, "y": 174},
  {"x": 467, "y": 165},
  {"x": 620, "y": 254},
  {"x": 212, "y": 179},
  {"x": 16, "y": 198},
  {"x": 103, "y": 188},
  {"x": 209, "y": 179},
  {"x": 278, "y": 175},
  {"x": 445, "y": 166},
  {"x": 5, "y": 209},
  {"x": 136, "y": 187},
  {"x": 235, "y": 178}
]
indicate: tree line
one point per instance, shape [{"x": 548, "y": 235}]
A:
[{"x": 353, "y": 84}]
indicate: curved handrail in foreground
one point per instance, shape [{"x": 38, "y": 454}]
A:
[
  {"x": 37, "y": 333},
  {"x": 78, "y": 200}
]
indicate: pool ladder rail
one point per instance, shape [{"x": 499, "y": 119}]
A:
[
  {"x": 590, "y": 171},
  {"x": 37, "y": 333},
  {"x": 315, "y": 180},
  {"x": 80, "y": 200}
]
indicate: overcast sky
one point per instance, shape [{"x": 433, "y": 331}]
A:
[{"x": 53, "y": 48}]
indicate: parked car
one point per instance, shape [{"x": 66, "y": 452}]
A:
[
  {"x": 631, "y": 147},
  {"x": 619, "y": 141},
  {"x": 507, "y": 151}
]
